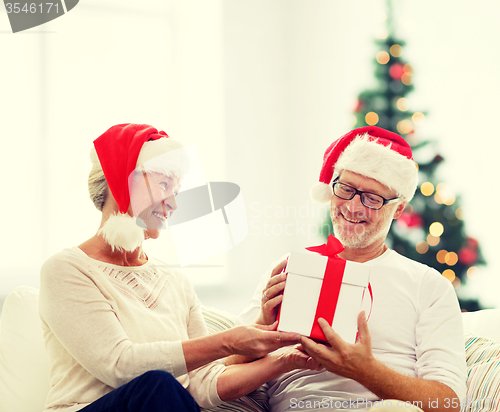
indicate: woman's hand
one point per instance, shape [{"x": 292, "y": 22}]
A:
[
  {"x": 258, "y": 340},
  {"x": 272, "y": 295},
  {"x": 297, "y": 358}
]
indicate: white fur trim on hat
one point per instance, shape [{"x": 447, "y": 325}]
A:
[
  {"x": 379, "y": 162},
  {"x": 121, "y": 232},
  {"x": 321, "y": 192},
  {"x": 167, "y": 156}
]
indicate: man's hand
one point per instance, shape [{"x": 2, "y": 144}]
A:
[
  {"x": 342, "y": 358},
  {"x": 272, "y": 295},
  {"x": 257, "y": 340}
]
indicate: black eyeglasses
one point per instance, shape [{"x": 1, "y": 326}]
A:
[{"x": 370, "y": 200}]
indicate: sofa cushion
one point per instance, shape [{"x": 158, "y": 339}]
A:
[
  {"x": 483, "y": 374},
  {"x": 484, "y": 323},
  {"x": 24, "y": 380}
]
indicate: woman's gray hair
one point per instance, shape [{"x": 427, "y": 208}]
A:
[{"x": 98, "y": 186}]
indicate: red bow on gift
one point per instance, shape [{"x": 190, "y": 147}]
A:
[{"x": 331, "y": 248}]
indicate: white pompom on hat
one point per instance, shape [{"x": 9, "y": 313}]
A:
[
  {"x": 120, "y": 150},
  {"x": 372, "y": 152}
]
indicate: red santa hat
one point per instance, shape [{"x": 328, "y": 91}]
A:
[
  {"x": 372, "y": 152},
  {"x": 120, "y": 150}
]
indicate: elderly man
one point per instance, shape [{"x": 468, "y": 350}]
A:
[{"x": 411, "y": 348}]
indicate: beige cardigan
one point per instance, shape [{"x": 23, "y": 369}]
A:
[{"x": 106, "y": 324}]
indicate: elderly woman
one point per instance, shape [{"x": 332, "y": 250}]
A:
[{"x": 123, "y": 331}]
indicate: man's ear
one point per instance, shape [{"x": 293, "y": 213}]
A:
[{"x": 399, "y": 210}]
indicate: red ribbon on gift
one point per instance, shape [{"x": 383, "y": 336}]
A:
[{"x": 330, "y": 288}]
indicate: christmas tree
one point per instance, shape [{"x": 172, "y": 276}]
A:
[{"x": 431, "y": 229}]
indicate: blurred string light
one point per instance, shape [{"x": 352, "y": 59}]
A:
[
  {"x": 407, "y": 77},
  {"x": 405, "y": 126},
  {"x": 433, "y": 240},
  {"x": 403, "y": 104},
  {"x": 451, "y": 259},
  {"x": 472, "y": 272},
  {"x": 436, "y": 229},
  {"x": 444, "y": 195},
  {"x": 418, "y": 118},
  {"x": 449, "y": 274},
  {"x": 371, "y": 118},
  {"x": 440, "y": 256},
  {"x": 396, "y": 50},
  {"x": 422, "y": 247},
  {"x": 383, "y": 57},
  {"x": 427, "y": 188}
]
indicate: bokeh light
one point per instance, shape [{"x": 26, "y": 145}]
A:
[
  {"x": 427, "y": 188},
  {"x": 441, "y": 255},
  {"x": 383, "y": 57},
  {"x": 371, "y": 118},
  {"x": 433, "y": 240},
  {"x": 418, "y": 118},
  {"x": 449, "y": 274},
  {"x": 436, "y": 229},
  {"x": 451, "y": 259},
  {"x": 422, "y": 247},
  {"x": 405, "y": 126},
  {"x": 396, "y": 50},
  {"x": 403, "y": 104}
]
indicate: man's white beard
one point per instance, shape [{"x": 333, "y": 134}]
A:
[
  {"x": 120, "y": 231},
  {"x": 353, "y": 240},
  {"x": 363, "y": 236}
]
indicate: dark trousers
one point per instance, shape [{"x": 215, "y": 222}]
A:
[{"x": 154, "y": 391}]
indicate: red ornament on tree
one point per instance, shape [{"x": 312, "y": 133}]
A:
[
  {"x": 412, "y": 220},
  {"x": 396, "y": 71},
  {"x": 467, "y": 256}
]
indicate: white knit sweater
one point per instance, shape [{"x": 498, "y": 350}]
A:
[
  {"x": 415, "y": 328},
  {"x": 106, "y": 324}
]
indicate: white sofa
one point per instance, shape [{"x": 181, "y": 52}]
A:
[{"x": 24, "y": 365}]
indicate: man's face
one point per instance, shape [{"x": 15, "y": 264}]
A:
[{"x": 357, "y": 226}]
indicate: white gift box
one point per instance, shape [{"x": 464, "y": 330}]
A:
[{"x": 303, "y": 290}]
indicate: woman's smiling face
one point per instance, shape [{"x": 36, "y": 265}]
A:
[{"x": 152, "y": 199}]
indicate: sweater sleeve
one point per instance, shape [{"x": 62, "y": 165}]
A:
[
  {"x": 82, "y": 320},
  {"x": 440, "y": 345}
]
